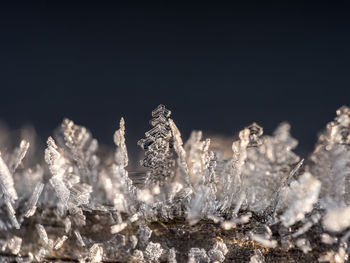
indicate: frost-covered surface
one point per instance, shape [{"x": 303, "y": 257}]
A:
[{"x": 263, "y": 203}]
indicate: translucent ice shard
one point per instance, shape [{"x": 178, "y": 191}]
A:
[
  {"x": 121, "y": 154},
  {"x": 59, "y": 242},
  {"x": 300, "y": 198},
  {"x": 304, "y": 245},
  {"x": 6, "y": 182},
  {"x": 138, "y": 255},
  {"x": 264, "y": 237},
  {"x": 144, "y": 233},
  {"x": 231, "y": 193},
  {"x": 31, "y": 204},
  {"x": 258, "y": 257},
  {"x": 218, "y": 252},
  {"x": 255, "y": 131},
  {"x": 198, "y": 255},
  {"x": 96, "y": 253},
  {"x": 118, "y": 228},
  {"x": 42, "y": 233},
  {"x": 8, "y": 191},
  {"x": 181, "y": 153},
  {"x": 172, "y": 256},
  {"x": 121, "y": 187},
  {"x": 14, "y": 244},
  {"x": 80, "y": 240},
  {"x": 18, "y": 155},
  {"x": 199, "y": 158}
]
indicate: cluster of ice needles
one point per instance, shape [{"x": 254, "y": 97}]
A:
[{"x": 79, "y": 206}]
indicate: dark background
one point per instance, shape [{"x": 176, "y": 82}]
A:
[{"x": 218, "y": 67}]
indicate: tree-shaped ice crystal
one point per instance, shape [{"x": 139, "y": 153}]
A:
[{"x": 158, "y": 144}]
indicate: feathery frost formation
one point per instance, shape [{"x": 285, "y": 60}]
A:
[{"x": 87, "y": 208}]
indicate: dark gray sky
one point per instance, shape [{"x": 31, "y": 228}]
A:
[{"x": 218, "y": 67}]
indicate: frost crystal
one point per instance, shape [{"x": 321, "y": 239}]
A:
[
  {"x": 14, "y": 244},
  {"x": 172, "y": 255},
  {"x": 300, "y": 198},
  {"x": 158, "y": 144},
  {"x": 144, "y": 233},
  {"x": 59, "y": 242},
  {"x": 258, "y": 202},
  {"x": 96, "y": 253},
  {"x": 197, "y": 255},
  {"x": 258, "y": 257},
  {"x": 264, "y": 238},
  {"x": 304, "y": 245},
  {"x": 267, "y": 166},
  {"x": 42, "y": 234},
  {"x": 153, "y": 251},
  {"x": 337, "y": 219},
  {"x": 330, "y": 160},
  {"x": 31, "y": 205},
  {"x": 69, "y": 190}
]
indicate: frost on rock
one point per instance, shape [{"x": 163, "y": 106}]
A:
[
  {"x": 158, "y": 145},
  {"x": 260, "y": 201}
]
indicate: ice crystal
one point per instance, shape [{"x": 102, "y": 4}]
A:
[
  {"x": 172, "y": 256},
  {"x": 14, "y": 244},
  {"x": 197, "y": 255},
  {"x": 330, "y": 160},
  {"x": 32, "y": 202},
  {"x": 71, "y": 193},
  {"x": 261, "y": 198},
  {"x": 267, "y": 166},
  {"x": 153, "y": 251},
  {"x": 158, "y": 144},
  {"x": 300, "y": 198},
  {"x": 264, "y": 237},
  {"x": 337, "y": 219},
  {"x": 258, "y": 257},
  {"x": 96, "y": 253}
]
